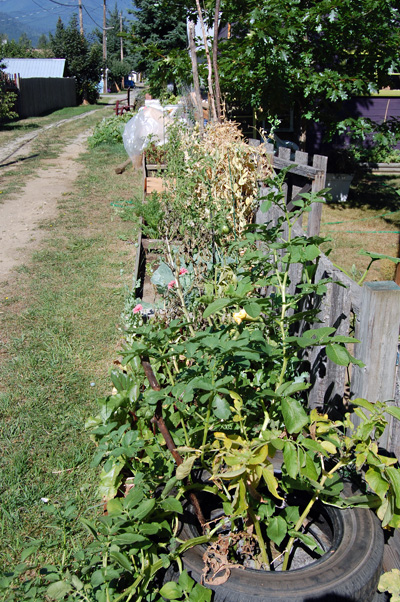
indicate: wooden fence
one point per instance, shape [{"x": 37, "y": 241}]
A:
[{"x": 371, "y": 313}]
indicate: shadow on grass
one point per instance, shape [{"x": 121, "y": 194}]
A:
[
  {"x": 374, "y": 192},
  {"x": 11, "y": 127},
  {"x": 19, "y": 160}
]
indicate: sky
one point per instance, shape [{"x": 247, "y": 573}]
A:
[{"x": 41, "y": 16}]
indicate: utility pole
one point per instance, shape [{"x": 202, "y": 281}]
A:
[
  {"x": 120, "y": 31},
  {"x": 80, "y": 17},
  {"x": 122, "y": 53},
  {"x": 104, "y": 48}
]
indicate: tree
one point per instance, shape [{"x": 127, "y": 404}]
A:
[
  {"x": 117, "y": 68},
  {"x": 157, "y": 38},
  {"x": 310, "y": 54},
  {"x": 83, "y": 60},
  {"x": 7, "y": 96},
  {"x": 18, "y": 50}
]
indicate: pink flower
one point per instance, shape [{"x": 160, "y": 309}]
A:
[
  {"x": 137, "y": 308},
  {"x": 183, "y": 271},
  {"x": 171, "y": 284}
]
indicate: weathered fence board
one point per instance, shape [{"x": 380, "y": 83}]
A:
[
  {"x": 377, "y": 327},
  {"x": 376, "y": 307}
]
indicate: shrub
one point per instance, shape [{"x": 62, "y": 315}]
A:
[{"x": 109, "y": 130}]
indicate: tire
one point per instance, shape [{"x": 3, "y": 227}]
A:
[{"x": 348, "y": 572}]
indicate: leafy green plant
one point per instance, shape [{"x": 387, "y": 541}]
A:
[
  {"x": 226, "y": 373},
  {"x": 109, "y": 130},
  {"x": 368, "y": 142}
]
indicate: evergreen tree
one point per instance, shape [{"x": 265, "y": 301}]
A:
[
  {"x": 83, "y": 60},
  {"x": 18, "y": 50},
  {"x": 158, "y": 36},
  {"x": 117, "y": 69}
]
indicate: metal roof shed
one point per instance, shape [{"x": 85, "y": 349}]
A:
[{"x": 27, "y": 68}]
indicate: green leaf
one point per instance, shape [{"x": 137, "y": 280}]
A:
[
  {"x": 394, "y": 476},
  {"x": 186, "y": 582},
  {"x": 294, "y": 415},
  {"x": 122, "y": 560},
  {"x": 338, "y": 354},
  {"x": 252, "y": 309},
  {"x": 221, "y": 408},
  {"x": 217, "y": 305},
  {"x": 28, "y": 552},
  {"x": 90, "y": 526},
  {"x": 291, "y": 459},
  {"x": 308, "y": 540},
  {"x": 376, "y": 481},
  {"x": 277, "y": 529},
  {"x": 200, "y": 594},
  {"x": 144, "y": 509},
  {"x": 289, "y": 388},
  {"x": 315, "y": 335},
  {"x": 150, "y": 528},
  {"x": 363, "y": 403},
  {"x": 77, "y": 583},
  {"x": 128, "y": 539},
  {"x": 184, "y": 469},
  {"x": 58, "y": 590},
  {"x": 265, "y": 206},
  {"x": 393, "y": 411},
  {"x": 171, "y": 591},
  {"x": 162, "y": 276},
  {"x": 133, "y": 498},
  {"x": 97, "y": 578},
  {"x": 114, "y": 507},
  {"x": 110, "y": 481},
  {"x": 171, "y": 504},
  {"x": 376, "y": 256}
]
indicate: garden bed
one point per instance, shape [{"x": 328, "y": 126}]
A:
[{"x": 213, "y": 388}]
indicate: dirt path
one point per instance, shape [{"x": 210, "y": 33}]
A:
[{"x": 20, "y": 216}]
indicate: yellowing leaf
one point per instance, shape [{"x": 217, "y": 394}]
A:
[
  {"x": 329, "y": 447},
  {"x": 271, "y": 482}
]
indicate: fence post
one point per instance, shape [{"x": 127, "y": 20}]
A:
[
  {"x": 314, "y": 217},
  {"x": 377, "y": 327}
]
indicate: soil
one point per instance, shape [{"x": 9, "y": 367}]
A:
[{"x": 22, "y": 214}]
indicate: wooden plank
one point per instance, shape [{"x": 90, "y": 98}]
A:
[
  {"x": 377, "y": 327},
  {"x": 328, "y": 379},
  {"x": 284, "y": 153},
  {"x": 301, "y": 158},
  {"x": 314, "y": 217},
  {"x": 154, "y": 185}
]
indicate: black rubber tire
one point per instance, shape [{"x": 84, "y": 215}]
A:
[{"x": 349, "y": 572}]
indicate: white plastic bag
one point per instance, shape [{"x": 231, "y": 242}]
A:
[{"x": 148, "y": 121}]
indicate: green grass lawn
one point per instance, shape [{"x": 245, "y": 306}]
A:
[
  {"x": 369, "y": 220},
  {"x": 59, "y": 325}
]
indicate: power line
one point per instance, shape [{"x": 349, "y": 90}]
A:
[{"x": 90, "y": 17}]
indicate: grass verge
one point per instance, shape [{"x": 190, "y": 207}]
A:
[
  {"x": 58, "y": 338},
  {"x": 47, "y": 146},
  {"x": 369, "y": 220},
  {"x": 12, "y": 130}
]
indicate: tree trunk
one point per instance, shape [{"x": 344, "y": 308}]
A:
[
  {"x": 215, "y": 61},
  {"x": 209, "y": 65},
  {"x": 193, "y": 56}
]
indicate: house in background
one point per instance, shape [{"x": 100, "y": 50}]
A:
[{"x": 41, "y": 85}]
